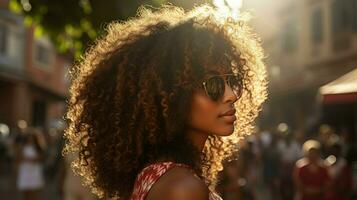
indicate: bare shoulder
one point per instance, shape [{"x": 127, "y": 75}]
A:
[{"x": 178, "y": 184}]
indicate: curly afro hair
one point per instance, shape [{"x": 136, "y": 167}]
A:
[{"x": 131, "y": 92}]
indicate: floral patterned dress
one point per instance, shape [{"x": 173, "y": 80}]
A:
[{"x": 150, "y": 174}]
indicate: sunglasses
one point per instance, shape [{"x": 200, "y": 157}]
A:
[{"x": 215, "y": 85}]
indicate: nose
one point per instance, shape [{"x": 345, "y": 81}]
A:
[{"x": 229, "y": 96}]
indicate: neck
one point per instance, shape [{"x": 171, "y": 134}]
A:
[{"x": 198, "y": 138}]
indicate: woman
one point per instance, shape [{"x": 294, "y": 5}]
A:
[
  {"x": 154, "y": 98},
  {"x": 29, "y": 163}
]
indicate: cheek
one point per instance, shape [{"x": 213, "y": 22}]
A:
[
  {"x": 205, "y": 116},
  {"x": 203, "y": 111}
]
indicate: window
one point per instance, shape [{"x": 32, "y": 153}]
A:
[
  {"x": 3, "y": 39},
  {"x": 39, "y": 113},
  {"x": 353, "y": 8},
  {"x": 317, "y": 26},
  {"x": 343, "y": 23},
  {"x": 66, "y": 75},
  {"x": 344, "y": 15},
  {"x": 42, "y": 54},
  {"x": 289, "y": 43}
]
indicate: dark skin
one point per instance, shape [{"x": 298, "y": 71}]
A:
[
  {"x": 181, "y": 183},
  {"x": 206, "y": 116}
]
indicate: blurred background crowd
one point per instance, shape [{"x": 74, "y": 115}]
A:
[
  {"x": 32, "y": 165},
  {"x": 272, "y": 164},
  {"x": 305, "y": 142}
]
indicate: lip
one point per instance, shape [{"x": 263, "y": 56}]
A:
[
  {"x": 230, "y": 112},
  {"x": 229, "y": 118}
]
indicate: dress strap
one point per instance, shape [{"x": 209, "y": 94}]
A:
[{"x": 148, "y": 177}]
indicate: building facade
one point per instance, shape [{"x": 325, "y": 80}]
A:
[
  {"x": 33, "y": 79},
  {"x": 308, "y": 44}
]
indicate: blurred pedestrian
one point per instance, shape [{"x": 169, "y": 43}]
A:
[
  {"x": 271, "y": 159},
  {"x": 151, "y": 102},
  {"x": 340, "y": 173},
  {"x": 229, "y": 185},
  {"x": 250, "y": 175},
  {"x": 290, "y": 152},
  {"x": 54, "y": 166},
  {"x": 310, "y": 175},
  {"x": 326, "y": 137},
  {"x": 29, "y": 159}
]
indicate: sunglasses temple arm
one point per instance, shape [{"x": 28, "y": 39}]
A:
[{"x": 204, "y": 86}]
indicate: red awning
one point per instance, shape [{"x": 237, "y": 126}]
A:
[{"x": 341, "y": 90}]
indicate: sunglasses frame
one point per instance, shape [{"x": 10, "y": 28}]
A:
[{"x": 224, "y": 76}]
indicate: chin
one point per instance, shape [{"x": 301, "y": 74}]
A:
[{"x": 226, "y": 131}]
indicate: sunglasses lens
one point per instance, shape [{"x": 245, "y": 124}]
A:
[
  {"x": 215, "y": 87},
  {"x": 234, "y": 82}
]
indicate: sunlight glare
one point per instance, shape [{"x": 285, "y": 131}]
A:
[
  {"x": 228, "y": 7},
  {"x": 234, "y": 4}
]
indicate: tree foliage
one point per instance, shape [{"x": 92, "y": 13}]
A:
[{"x": 73, "y": 24}]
